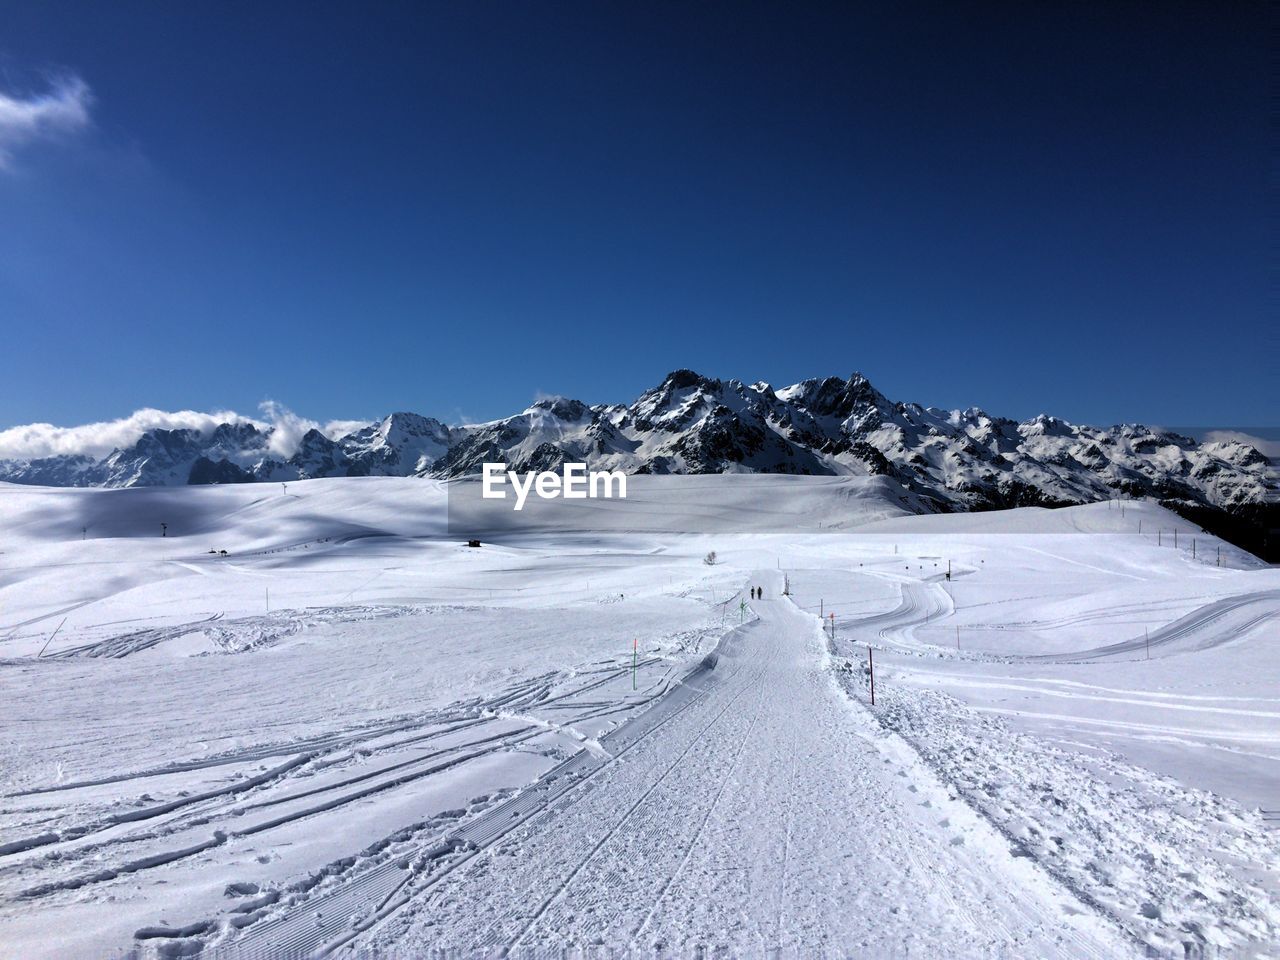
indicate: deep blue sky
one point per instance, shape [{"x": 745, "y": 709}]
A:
[{"x": 359, "y": 208}]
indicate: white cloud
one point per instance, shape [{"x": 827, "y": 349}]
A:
[
  {"x": 340, "y": 428},
  {"x": 1268, "y": 448},
  {"x": 62, "y": 110},
  {"x": 288, "y": 428},
  {"x": 97, "y": 440}
]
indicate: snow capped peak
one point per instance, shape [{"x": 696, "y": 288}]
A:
[
  {"x": 833, "y": 397},
  {"x": 689, "y": 423},
  {"x": 684, "y": 379},
  {"x": 563, "y": 408},
  {"x": 1045, "y": 425}
]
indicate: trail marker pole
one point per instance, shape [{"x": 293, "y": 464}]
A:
[
  {"x": 1193, "y": 548},
  {"x": 871, "y": 667},
  {"x": 820, "y": 613},
  {"x": 1175, "y": 538},
  {"x": 1159, "y": 538},
  {"x": 833, "y": 625},
  {"x": 50, "y": 640},
  {"x": 635, "y": 655}
]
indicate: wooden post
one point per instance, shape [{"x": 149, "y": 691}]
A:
[{"x": 871, "y": 666}]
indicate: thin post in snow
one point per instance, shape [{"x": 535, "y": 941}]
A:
[
  {"x": 871, "y": 668},
  {"x": 50, "y": 640}
]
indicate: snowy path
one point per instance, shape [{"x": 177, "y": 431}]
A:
[{"x": 766, "y": 814}]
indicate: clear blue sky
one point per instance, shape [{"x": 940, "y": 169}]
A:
[{"x": 358, "y": 208}]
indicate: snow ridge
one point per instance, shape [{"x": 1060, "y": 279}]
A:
[{"x": 948, "y": 460}]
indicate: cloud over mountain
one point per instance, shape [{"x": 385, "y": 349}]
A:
[{"x": 34, "y": 441}]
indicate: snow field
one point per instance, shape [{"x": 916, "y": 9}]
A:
[{"x": 354, "y": 729}]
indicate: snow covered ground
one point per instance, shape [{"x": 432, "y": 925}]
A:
[{"x": 353, "y": 731}]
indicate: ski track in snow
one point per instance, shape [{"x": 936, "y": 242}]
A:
[
  {"x": 694, "y": 841},
  {"x": 1136, "y": 847},
  {"x": 748, "y": 803}
]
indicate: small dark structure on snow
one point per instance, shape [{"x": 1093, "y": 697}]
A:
[{"x": 473, "y": 543}]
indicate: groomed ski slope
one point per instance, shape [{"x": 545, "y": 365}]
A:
[
  {"x": 355, "y": 733},
  {"x": 767, "y": 816}
]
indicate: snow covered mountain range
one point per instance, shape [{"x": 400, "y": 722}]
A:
[{"x": 947, "y": 460}]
